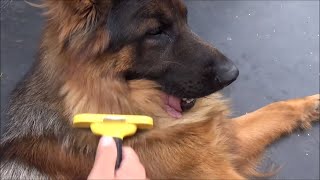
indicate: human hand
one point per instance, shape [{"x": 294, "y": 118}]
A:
[{"x": 104, "y": 165}]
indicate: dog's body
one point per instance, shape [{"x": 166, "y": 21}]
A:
[{"x": 136, "y": 57}]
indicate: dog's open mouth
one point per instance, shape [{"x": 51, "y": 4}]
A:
[{"x": 175, "y": 106}]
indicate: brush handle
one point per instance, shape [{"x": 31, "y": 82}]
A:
[{"x": 118, "y": 142}]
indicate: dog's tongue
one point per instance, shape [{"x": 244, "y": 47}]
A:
[{"x": 173, "y": 106}]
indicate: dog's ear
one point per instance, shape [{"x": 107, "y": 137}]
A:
[{"x": 80, "y": 25}]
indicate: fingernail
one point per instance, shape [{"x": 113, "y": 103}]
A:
[{"x": 106, "y": 141}]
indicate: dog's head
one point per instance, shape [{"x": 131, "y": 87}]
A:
[{"x": 148, "y": 39}]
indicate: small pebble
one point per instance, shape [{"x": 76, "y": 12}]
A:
[
  {"x": 311, "y": 53},
  {"x": 249, "y": 14},
  {"x": 274, "y": 30},
  {"x": 307, "y": 154},
  {"x": 308, "y": 134},
  {"x": 298, "y": 134},
  {"x": 237, "y": 16},
  {"x": 229, "y": 38}
]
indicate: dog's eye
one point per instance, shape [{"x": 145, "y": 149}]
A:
[{"x": 154, "y": 32}]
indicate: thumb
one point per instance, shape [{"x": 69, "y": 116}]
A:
[{"x": 104, "y": 165}]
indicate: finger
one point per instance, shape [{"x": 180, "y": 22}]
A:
[
  {"x": 131, "y": 167},
  {"x": 105, "y": 160},
  {"x": 129, "y": 154}
]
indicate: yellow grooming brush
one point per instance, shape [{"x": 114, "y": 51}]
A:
[{"x": 116, "y": 126}]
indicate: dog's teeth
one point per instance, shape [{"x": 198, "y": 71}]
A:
[
  {"x": 186, "y": 100},
  {"x": 190, "y": 100}
]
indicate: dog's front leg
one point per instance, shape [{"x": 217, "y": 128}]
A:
[{"x": 258, "y": 129}]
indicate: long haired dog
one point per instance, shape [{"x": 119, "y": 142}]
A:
[{"x": 136, "y": 57}]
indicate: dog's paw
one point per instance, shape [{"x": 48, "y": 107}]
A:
[
  {"x": 314, "y": 103},
  {"x": 311, "y": 110}
]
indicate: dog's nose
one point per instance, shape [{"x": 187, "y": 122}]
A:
[{"x": 227, "y": 73}]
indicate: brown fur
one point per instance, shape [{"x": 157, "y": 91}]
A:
[{"x": 70, "y": 79}]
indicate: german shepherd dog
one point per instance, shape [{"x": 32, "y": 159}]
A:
[{"x": 136, "y": 57}]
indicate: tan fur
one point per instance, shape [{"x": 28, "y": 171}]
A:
[{"x": 76, "y": 22}]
